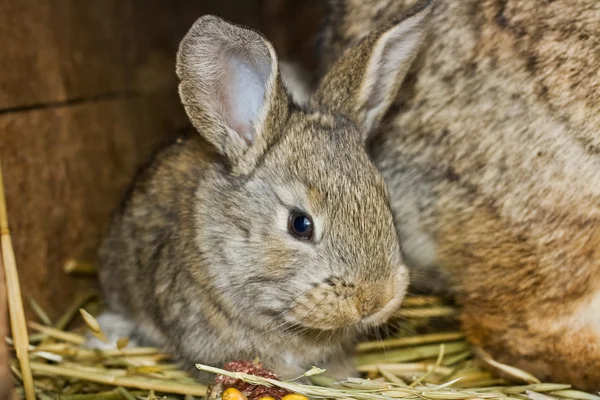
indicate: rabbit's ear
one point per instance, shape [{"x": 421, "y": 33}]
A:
[
  {"x": 363, "y": 82},
  {"x": 230, "y": 88}
]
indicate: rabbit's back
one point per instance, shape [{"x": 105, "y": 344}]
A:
[{"x": 493, "y": 163}]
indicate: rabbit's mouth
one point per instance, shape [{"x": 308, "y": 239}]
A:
[{"x": 332, "y": 306}]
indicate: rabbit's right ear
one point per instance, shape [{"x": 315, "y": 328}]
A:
[
  {"x": 363, "y": 82},
  {"x": 231, "y": 89}
]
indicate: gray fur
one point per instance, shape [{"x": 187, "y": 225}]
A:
[{"x": 199, "y": 258}]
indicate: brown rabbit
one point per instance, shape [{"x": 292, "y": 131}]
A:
[
  {"x": 492, "y": 159},
  {"x": 272, "y": 236}
]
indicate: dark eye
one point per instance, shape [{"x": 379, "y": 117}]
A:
[{"x": 300, "y": 225}]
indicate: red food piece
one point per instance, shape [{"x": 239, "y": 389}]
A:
[{"x": 252, "y": 392}]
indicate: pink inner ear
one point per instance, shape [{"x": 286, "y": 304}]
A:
[
  {"x": 247, "y": 136},
  {"x": 242, "y": 99}
]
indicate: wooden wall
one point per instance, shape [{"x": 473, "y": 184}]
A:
[{"x": 87, "y": 92}]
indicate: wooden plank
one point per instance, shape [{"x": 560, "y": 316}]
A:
[
  {"x": 55, "y": 50},
  {"x": 30, "y": 66},
  {"x": 66, "y": 170}
]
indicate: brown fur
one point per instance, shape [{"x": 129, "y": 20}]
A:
[{"x": 492, "y": 159}]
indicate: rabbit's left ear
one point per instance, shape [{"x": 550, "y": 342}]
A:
[
  {"x": 364, "y": 81},
  {"x": 231, "y": 89}
]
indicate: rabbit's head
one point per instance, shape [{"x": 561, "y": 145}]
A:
[{"x": 294, "y": 224}]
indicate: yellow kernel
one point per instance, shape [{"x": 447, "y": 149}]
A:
[
  {"x": 294, "y": 396},
  {"x": 233, "y": 394},
  {"x": 267, "y": 398}
]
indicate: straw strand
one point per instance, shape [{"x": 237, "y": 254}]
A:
[{"x": 15, "y": 301}]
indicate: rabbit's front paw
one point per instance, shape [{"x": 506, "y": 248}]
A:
[{"x": 114, "y": 326}]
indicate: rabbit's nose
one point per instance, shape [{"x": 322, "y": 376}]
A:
[
  {"x": 368, "y": 299},
  {"x": 376, "y": 303}
]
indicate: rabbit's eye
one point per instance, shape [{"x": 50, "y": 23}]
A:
[{"x": 300, "y": 225}]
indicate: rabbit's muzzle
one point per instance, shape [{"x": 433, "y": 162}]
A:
[{"x": 337, "y": 304}]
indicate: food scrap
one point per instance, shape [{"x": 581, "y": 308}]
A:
[{"x": 242, "y": 390}]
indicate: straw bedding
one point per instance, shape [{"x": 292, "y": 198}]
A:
[{"x": 427, "y": 358}]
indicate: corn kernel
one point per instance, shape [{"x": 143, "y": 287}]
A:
[
  {"x": 294, "y": 396},
  {"x": 233, "y": 394},
  {"x": 267, "y": 398}
]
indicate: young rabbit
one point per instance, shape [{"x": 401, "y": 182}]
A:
[
  {"x": 492, "y": 160},
  {"x": 270, "y": 234}
]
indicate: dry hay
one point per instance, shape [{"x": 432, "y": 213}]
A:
[
  {"x": 428, "y": 359},
  {"x": 423, "y": 361}
]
